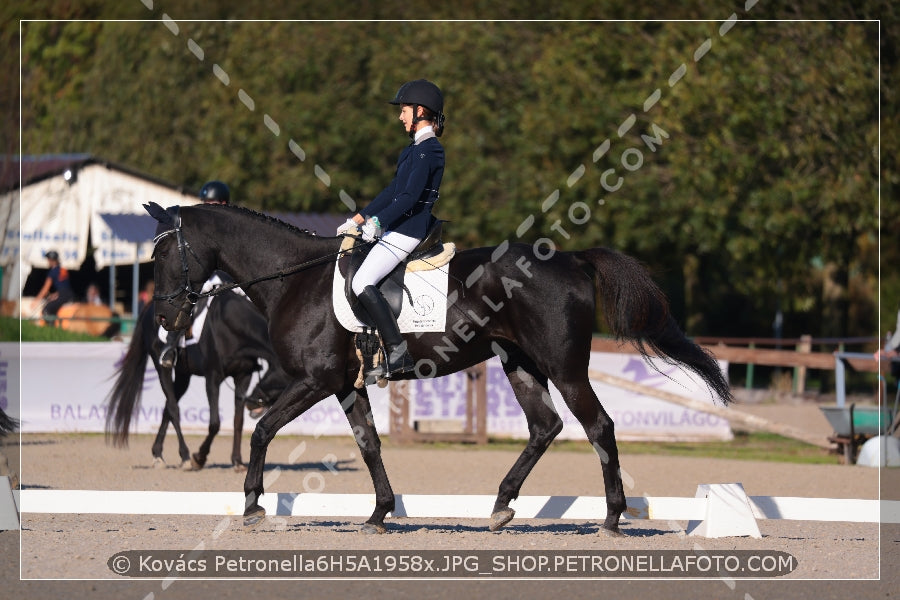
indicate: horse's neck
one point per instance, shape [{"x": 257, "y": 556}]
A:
[{"x": 265, "y": 249}]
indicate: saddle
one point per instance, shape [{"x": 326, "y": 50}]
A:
[{"x": 392, "y": 286}]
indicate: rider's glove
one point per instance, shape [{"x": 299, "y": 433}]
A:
[
  {"x": 371, "y": 230},
  {"x": 349, "y": 225}
]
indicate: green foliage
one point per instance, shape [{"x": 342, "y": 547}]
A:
[
  {"x": 9, "y": 329},
  {"x": 751, "y": 185},
  {"x": 31, "y": 332},
  {"x": 745, "y": 446}
]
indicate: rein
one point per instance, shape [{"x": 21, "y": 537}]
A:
[
  {"x": 279, "y": 274},
  {"x": 192, "y": 297}
]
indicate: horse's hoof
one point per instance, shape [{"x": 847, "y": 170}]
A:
[
  {"x": 159, "y": 463},
  {"x": 501, "y": 518},
  {"x": 255, "y": 518},
  {"x": 196, "y": 465},
  {"x": 239, "y": 468},
  {"x": 373, "y": 528},
  {"x": 187, "y": 465},
  {"x": 613, "y": 533}
]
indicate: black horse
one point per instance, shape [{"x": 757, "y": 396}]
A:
[
  {"x": 531, "y": 305},
  {"x": 234, "y": 338}
]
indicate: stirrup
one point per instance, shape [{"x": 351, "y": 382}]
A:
[
  {"x": 387, "y": 369},
  {"x": 398, "y": 361}
]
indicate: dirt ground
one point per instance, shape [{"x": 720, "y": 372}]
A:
[{"x": 833, "y": 559}]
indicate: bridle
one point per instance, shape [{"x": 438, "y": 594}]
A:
[{"x": 191, "y": 297}]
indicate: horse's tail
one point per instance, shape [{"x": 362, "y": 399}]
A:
[
  {"x": 636, "y": 309},
  {"x": 125, "y": 397},
  {"x": 7, "y": 423}
]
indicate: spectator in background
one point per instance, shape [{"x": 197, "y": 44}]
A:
[
  {"x": 57, "y": 288},
  {"x": 891, "y": 349},
  {"x": 92, "y": 295},
  {"x": 145, "y": 296}
]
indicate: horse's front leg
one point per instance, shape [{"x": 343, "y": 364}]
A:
[
  {"x": 241, "y": 384},
  {"x": 173, "y": 391},
  {"x": 296, "y": 399},
  {"x": 213, "y": 381},
  {"x": 181, "y": 383},
  {"x": 158, "y": 460},
  {"x": 359, "y": 413}
]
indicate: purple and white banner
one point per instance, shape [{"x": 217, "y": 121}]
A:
[
  {"x": 63, "y": 387},
  {"x": 636, "y": 416}
]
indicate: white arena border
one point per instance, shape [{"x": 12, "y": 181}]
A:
[{"x": 442, "y": 506}]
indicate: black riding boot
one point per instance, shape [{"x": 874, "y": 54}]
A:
[
  {"x": 398, "y": 359},
  {"x": 170, "y": 350}
]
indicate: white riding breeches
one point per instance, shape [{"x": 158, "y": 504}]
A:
[{"x": 389, "y": 252}]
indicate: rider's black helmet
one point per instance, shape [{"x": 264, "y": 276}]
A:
[
  {"x": 52, "y": 255},
  {"x": 422, "y": 92},
  {"x": 215, "y": 192}
]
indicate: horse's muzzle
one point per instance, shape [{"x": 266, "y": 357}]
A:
[{"x": 182, "y": 319}]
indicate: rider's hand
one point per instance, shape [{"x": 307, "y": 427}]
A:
[
  {"x": 348, "y": 225},
  {"x": 371, "y": 230}
]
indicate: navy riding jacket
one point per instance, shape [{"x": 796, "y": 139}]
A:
[{"x": 405, "y": 204}]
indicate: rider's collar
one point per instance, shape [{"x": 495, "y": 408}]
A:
[{"x": 423, "y": 134}]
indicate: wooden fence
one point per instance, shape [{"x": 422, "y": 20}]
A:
[{"x": 800, "y": 357}]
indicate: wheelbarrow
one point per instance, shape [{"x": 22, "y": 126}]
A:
[{"x": 853, "y": 425}]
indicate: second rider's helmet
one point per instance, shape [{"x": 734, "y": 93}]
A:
[{"x": 215, "y": 192}]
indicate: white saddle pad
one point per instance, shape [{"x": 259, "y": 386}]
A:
[{"x": 428, "y": 311}]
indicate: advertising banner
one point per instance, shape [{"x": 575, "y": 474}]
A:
[
  {"x": 636, "y": 416},
  {"x": 64, "y": 388}
]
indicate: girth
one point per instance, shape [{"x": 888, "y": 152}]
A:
[{"x": 392, "y": 286}]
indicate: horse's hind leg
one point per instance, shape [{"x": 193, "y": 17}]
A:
[
  {"x": 583, "y": 402},
  {"x": 544, "y": 424},
  {"x": 359, "y": 413},
  {"x": 198, "y": 458}
]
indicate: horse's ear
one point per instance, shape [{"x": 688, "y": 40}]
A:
[{"x": 160, "y": 214}]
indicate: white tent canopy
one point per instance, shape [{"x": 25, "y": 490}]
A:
[{"x": 55, "y": 213}]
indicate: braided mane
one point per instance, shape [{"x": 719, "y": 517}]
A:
[{"x": 265, "y": 217}]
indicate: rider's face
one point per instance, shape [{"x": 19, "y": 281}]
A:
[{"x": 406, "y": 116}]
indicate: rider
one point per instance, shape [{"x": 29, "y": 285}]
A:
[
  {"x": 212, "y": 192},
  {"x": 58, "y": 279},
  {"x": 400, "y": 216}
]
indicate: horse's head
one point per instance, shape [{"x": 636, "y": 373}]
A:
[{"x": 178, "y": 272}]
